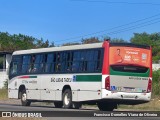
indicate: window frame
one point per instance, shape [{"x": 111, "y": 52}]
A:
[{"x": 66, "y": 60}]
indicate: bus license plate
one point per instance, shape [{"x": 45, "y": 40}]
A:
[{"x": 129, "y": 96}]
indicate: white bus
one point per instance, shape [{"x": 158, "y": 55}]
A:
[{"x": 106, "y": 74}]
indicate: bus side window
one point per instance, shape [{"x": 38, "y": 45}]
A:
[
  {"x": 49, "y": 63},
  {"x": 37, "y": 62},
  {"x": 25, "y": 63},
  {"x": 54, "y": 62},
  {"x": 83, "y": 63},
  {"x": 98, "y": 56},
  {"x": 14, "y": 68},
  {"x": 69, "y": 61},
  {"x": 90, "y": 61},
  {"x": 31, "y": 67},
  {"x": 58, "y": 62},
  {"x": 76, "y": 61},
  {"x": 43, "y": 63},
  {"x": 63, "y": 62}
]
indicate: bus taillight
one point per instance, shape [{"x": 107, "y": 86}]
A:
[
  {"x": 107, "y": 83},
  {"x": 149, "y": 89}
]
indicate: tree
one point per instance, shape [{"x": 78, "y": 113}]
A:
[
  {"x": 149, "y": 39},
  {"x": 90, "y": 40},
  {"x": 14, "y": 42},
  {"x": 69, "y": 44},
  {"x": 116, "y": 40},
  {"x": 52, "y": 44}
]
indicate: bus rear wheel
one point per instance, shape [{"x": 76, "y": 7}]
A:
[
  {"x": 67, "y": 98},
  {"x": 24, "y": 100},
  {"x": 106, "y": 106}
]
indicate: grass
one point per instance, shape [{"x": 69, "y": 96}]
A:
[
  {"x": 153, "y": 105},
  {"x": 3, "y": 94}
]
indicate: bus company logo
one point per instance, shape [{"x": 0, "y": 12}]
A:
[
  {"x": 74, "y": 78},
  {"x": 6, "y": 114},
  {"x": 144, "y": 56}
]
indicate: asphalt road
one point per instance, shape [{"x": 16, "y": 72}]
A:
[{"x": 50, "y": 113}]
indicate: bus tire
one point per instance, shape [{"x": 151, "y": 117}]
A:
[
  {"x": 77, "y": 105},
  {"x": 67, "y": 99},
  {"x": 58, "y": 104},
  {"x": 106, "y": 106},
  {"x": 24, "y": 100}
]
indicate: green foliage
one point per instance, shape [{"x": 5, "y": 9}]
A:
[
  {"x": 97, "y": 40},
  {"x": 69, "y": 44},
  {"x": 149, "y": 39},
  {"x": 116, "y": 40},
  {"x": 156, "y": 83},
  {"x": 52, "y": 44},
  {"x": 90, "y": 40},
  {"x": 84, "y": 41},
  {"x": 14, "y": 42}
]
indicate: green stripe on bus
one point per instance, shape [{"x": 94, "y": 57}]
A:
[
  {"x": 32, "y": 76},
  {"x": 88, "y": 78},
  {"x": 112, "y": 72}
]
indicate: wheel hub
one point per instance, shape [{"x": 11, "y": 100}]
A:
[
  {"x": 66, "y": 99},
  {"x": 24, "y": 97}
]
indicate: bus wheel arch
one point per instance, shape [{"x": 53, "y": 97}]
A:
[
  {"x": 23, "y": 96},
  {"x": 21, "y": 88},
  {"x": 67, "y": 96}
]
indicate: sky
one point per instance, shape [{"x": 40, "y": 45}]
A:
[{"x": 63, "y": 21}]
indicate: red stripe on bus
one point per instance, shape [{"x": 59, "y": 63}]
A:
[
  {"x": 105, "y": 68},
  {"x": 24, "y": 77}
]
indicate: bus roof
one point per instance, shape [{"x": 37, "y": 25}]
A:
[{"x": 62, "y": 48}]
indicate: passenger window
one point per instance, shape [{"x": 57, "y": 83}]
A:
[
  {"x": 37, "y": 61},
  {"x": 90, "y": 61},
  {"x": 69, "y": 61},
  {"x": 25, "y": 63},
  {"x": 14, "y": 68},
  {"x": 49, "y": 63},
  {"x": 58, "y": 62}
]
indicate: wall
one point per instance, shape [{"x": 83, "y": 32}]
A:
[
  {"x": 3, "y": 73},
  {"x": 155, "y": 66}
]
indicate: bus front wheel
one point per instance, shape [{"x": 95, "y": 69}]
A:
[
  {"x": 106, "y": 106},
  {"x": 67, "y": 98},
  {"x": 24, "y": 100}
]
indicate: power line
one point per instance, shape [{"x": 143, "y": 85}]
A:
[
  {"x": 153, "y": 21},
  {"x": 123, "y": 30},
  {"x": 151, "y": 18},
  {"x": 120, "y": 2}
]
